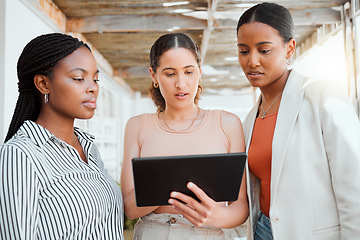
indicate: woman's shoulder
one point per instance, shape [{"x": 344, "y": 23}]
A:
[
  {"x": 135, "y": 123},
  {"x": 229, "y": 117},
  {"x": 228, "y": 120},
  {"x": 317, "y": 85},
  {"x": 316, "y": 89},
  {"x": 322, "y": 91},
  {"x": 18, "y": 148},
  {"x": 17, "y": 141},
  {"x": 139, "y": 118}
]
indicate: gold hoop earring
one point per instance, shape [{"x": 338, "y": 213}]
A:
[
  {"x": 288, "y": 61},
  {"x": 156, "y": 85}
]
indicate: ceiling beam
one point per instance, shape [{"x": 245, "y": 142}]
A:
[
  {"x": 133, "y": 23},
  {"x": 82, "y": 8},
  {"x": 316, "y": 16},
  {"x": 49, "y": 11},
  {"x": 289, "y": 4}
]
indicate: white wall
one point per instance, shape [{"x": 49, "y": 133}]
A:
[
  {"x": 357, "y": 52},
  {"x": 21, "y": 25},
  {"x": 326, "y": 60},
  {"x": 2, "y": 67}
]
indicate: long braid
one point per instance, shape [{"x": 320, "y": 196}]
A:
[{"x": 39, "y": 56}]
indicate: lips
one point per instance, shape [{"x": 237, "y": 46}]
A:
[
  {"x": 181, "y": 95},
  {"x": 90, "y": 103},
  {"x": 254, "y": 75}
]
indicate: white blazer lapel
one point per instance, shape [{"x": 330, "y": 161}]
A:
[
  {"x": 249, "y": 124},
  {"x": 288, "y": 111}
]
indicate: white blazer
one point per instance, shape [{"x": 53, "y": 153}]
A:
[{"x": 315, "y": 171}]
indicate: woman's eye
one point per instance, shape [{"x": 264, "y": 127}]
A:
[
  {"x": 96, "y": 80},
  {"x": 170, "y": 74},
  {"x": 188, "y": 72},
  {"x": 78, "y": 79},
  {"x": 264, "y": 51},
  {"x": 243, "y": 52}
]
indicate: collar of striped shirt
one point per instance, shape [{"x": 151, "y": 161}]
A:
[{"x": 40, "y": 135}]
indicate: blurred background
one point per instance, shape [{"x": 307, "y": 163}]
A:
[{"x": 121, "y": 33}]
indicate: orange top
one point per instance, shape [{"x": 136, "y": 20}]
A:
[{"x": 259, "y": 156}]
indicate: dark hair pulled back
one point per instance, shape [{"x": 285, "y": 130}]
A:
[
  {"x": 272, "y": 14},
  {"x": 163, "y": 44},
  {"x": 39, "y": 56}
]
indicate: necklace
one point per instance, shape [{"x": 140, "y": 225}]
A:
[
  {"x": 187, "y": 127},
  {"x": 262, "y": 106}
]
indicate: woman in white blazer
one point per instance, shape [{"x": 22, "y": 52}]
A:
[{"x": 302, "y": 138}]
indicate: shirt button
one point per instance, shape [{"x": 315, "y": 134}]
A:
[
  {"x": 172, "y": 220},
  {"x": 275, "y": 219}
]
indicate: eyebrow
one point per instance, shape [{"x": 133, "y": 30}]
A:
[
  {"x": 169, "y": 68},
  {"x": 83, "y": 70},
  {"x": 258, "y": 44}
]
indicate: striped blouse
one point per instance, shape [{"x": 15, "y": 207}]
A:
[{"x": 48, "y": 192}]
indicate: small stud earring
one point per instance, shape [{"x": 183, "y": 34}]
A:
[
  {"x": 46, "y": 98},
  {"x": 288, "y": 61}
]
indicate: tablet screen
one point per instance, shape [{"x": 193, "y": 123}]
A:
[{"x": 218, "y": 175}]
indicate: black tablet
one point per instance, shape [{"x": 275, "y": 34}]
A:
[{"x": 219, "y": 175}]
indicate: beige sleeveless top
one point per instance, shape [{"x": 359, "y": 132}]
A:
[{"x": 209, "y": 137}]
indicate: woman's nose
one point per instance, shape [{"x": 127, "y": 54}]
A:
[
  {"x": 180, "y": 82},
  {"x": 254, "y": 60},
  {"x": 93, "y": 87}
]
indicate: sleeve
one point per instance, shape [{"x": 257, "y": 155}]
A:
[
  {"x": 18, "y": 195},
  {"x": 341, "y": 134}
]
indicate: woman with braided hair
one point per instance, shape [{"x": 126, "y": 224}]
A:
[{"x": 52, "y": 180}]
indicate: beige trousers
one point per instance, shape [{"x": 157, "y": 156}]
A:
[{"x": 173, "y": 227}]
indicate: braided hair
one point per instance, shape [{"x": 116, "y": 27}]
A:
[{"x": 40, "y": 56}]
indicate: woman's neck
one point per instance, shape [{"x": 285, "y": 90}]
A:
[
  {"x": 272, "y": 90},
  {"x": 59, "y": 127},
  {"x": 180, "y": 114}
]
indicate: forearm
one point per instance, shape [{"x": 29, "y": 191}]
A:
[
  {"x": 131, "y": 210},
  {"x": 232, "y": 215}
]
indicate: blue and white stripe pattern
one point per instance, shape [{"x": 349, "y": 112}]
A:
[{"x": 48, "y": 192}]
